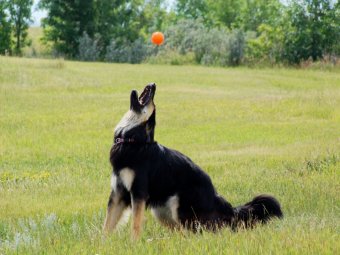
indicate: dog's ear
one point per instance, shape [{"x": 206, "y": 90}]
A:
[{"x": 134, "y": 103}]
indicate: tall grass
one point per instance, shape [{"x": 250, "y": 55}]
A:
[{"x": 254, "y": 131}]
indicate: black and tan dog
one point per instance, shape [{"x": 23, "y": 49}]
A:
[{"x": 179, "y": 193}]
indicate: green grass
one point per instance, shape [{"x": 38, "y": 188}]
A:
[
  {"x": 36, "y": 47},
  {"x": 254, "y": 131}
]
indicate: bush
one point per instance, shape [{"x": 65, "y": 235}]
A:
[
  {"x": 209, "y": 47},
  {"x": 89, "y": 49},
  {"x": 182, "y": 36},
  {"x": 236, "y": 47},
  {"x": 138, "y": 51},
  {"x": 266, "y": 48},
  {"x": 134, "y": 52},
  {"x": 212, "y": 47}
]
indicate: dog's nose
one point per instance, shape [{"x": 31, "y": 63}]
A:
[{"x": 152, "y": 85}]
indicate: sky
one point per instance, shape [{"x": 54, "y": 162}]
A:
[{"x": 37, "y": 15}]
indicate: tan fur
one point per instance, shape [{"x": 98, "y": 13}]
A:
[
  {"x": 138, "y": 208},
  {"x": 132, "y": 119},
  {"x": 167, "y": 214},
  {"x": 114, "y": 213},
  {"x": 127, "y": 176}
]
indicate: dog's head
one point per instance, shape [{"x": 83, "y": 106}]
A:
[{"x": 139, "y": 122}]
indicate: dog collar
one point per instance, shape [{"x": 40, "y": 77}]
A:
[
  {"x": 128, "y": 140},
  {"x": 122, "y": 140}
]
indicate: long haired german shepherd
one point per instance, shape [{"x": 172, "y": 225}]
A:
[{"x": 179, "y": 193}]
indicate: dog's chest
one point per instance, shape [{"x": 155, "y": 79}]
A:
[{"x": 125, "y": 176}]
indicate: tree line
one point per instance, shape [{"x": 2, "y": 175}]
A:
[
  {"x": 208, "y": 32},
  {"x": 15, "y": 16}
]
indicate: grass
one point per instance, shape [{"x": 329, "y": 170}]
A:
[
  {"x": 36, "y": 48},
  {"x": 254, "y": 131}
]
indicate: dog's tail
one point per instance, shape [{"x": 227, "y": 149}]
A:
[{"x": 260, "y": 209}]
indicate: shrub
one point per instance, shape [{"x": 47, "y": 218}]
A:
[
  {"x": 212, "y": 47},
  {"x": 236, "y": 47},
  {"x": 215, "y": 46},
  {"x": 89, "y": 49},
  {"x": 138, "y": 51},
  {"x": 182, "y": 36},
  {"x": 126, "y": 52},
  {"x": 266, "y": 48}
]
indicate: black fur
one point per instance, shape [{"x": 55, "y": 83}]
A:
[{"x": 161, "y": 172}]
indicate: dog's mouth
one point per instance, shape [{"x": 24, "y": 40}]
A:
[{"x": 147, "y": 94}]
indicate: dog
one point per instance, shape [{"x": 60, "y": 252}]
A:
[{"x": 180, "y": 194}]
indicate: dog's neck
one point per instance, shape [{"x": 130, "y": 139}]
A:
[{"x": 136, "y": 134}]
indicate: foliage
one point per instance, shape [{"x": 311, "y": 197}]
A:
[
  {"x": 20, "y": 16},
  {"x": 225, "y": 12},
  {"x": 312, "y": 31},
  {"x": 88, "y": 48},
  {"x": 182, "y": 35},
  {"x": 118, "y": 20},
  {"x": 5, "y": 30},
  {"x": 254, "y": 13},
  {"x": 66, "y": 22},
  {"x": 155, "y": 17},
  {"x": 245, "y": 14},
  {"x": 210, "y": 46},
  {"x": 266, "y": 48},
  {"x": 236, "y": 47},
  {"x": 192, "y": 9},
  {"x": 134, "y": 52}
]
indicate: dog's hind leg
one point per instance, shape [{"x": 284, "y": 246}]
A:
[{"x": 115, "y": 209}]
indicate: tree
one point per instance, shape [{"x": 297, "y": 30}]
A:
[
  {"x": 20, "y": 16},
  {"x": 266, "y": 47},
  {"x": 154, "y": 17},
  {"x": 257, "y": 12},
  {"x": 120, "y": 20},
  {"x": 335, "y": 46},
  {"x": 5, "y": 30},
  {"x": 225, "y": 12},
  {"x": 193, "y": 9},
  {"x": 66, "y": 23},
  {"x": 313, "y": 30}
]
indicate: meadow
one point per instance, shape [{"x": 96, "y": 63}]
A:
[
  {"x": 253, "y": 131},
  {"x": 36, "y": 47}
]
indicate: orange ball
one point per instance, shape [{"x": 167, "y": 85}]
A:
[{"x": 157, "y": 38}]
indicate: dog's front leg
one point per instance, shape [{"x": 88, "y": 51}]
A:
[
  {"x": 138, "y": 208},
  {"x": 115, "y": 209}
]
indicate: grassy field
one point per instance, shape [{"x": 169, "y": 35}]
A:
[
  {"x": 254, "y": 131},
  {"x": 36, "y": 47}
]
